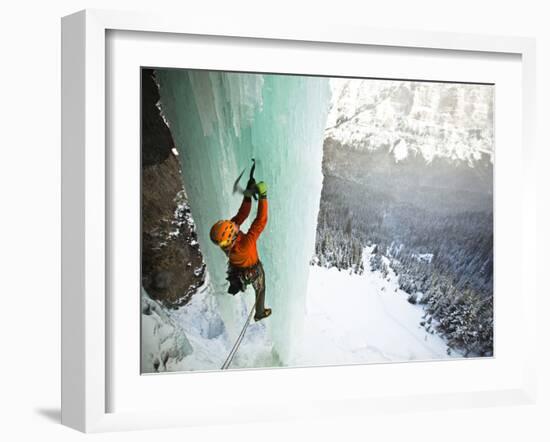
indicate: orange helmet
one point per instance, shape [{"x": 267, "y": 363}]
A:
[{"x": 224, "y": 233}]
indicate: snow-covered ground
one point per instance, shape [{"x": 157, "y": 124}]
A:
[
  {"x": 350, "y": 319},
  {"x": 363, "y": 319}
]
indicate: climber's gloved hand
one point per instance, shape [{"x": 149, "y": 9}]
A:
[
  {"x": 261, "y": 189},
  {"x": 250, "y": 188},
  {"x": 251, "y": 184}
]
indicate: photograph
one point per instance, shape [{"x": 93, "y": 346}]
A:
[{"x": 299, "y": 220}]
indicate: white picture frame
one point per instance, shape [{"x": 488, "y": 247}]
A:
[{"x": 86, "y": 207}]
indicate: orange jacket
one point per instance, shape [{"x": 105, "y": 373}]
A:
[{"x": 244, "y": 253}]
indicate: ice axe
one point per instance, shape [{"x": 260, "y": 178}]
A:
[{"x": 238, "y": 188}]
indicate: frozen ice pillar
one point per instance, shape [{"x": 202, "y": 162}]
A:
[{"x": 220, "y": 121}]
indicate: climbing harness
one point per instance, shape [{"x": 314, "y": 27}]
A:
[{"x": 233, "y": 351}]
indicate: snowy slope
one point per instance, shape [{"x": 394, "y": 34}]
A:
[{"x": 363, "y": 319}]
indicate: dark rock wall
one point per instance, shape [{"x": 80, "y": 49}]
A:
[{"x": 172, "y": 267}]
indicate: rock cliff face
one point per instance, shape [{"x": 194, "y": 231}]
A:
[
  {"x": 429, "y": 120},
  {"x": 172, "y": 263},
  {"x": 413, "y": 180}
]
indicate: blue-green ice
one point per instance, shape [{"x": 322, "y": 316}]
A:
[{"x": 220, "y": 121}]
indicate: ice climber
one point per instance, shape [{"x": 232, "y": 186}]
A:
[{"x": 245, "y": 267}]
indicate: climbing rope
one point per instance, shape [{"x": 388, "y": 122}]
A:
[{"x": 231, "y": 354}]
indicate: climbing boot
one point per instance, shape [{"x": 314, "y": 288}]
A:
[{"x": 267, "y": 312}]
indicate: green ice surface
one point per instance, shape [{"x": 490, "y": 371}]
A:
[{"x": 220, "y": 121}]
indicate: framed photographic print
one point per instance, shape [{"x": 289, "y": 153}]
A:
[
  {"x": 323, "y": 216},
  {"x": 385, "y": 256}
]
